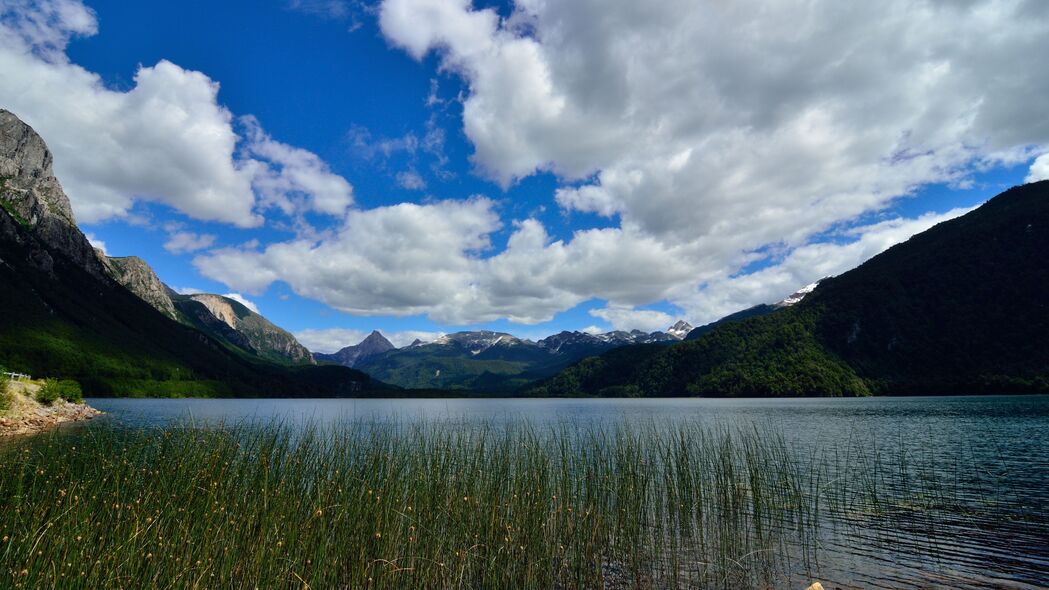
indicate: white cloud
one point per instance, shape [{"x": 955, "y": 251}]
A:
[
  {"x": 181, "y": 242},
  {"x": 1039, "y": 169},
  {"x": 403, "y": 259},
  {"x": 294, "y": 179},
  {"x": 627, "y": 318},
  {"x": 712, "y": 130},
  {"x": 803, "y": 266},
  {"x": 593, "y": 330},
  {"x": 411, "y": 180},
  {"x": 187, "y": 290},
  {"x": 329, "y": 340},
  {"x": 167, "y": 139},
  {"x": 243, "y": 301}
]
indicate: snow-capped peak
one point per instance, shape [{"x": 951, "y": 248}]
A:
[
  {"x": 680, "y": 329},
  {"x": 798, "y": 295}
]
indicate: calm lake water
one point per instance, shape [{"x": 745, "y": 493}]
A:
[{"x": 986, "y": 527}]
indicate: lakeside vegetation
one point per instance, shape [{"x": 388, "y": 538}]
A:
[{"x": 441, "y": 505}]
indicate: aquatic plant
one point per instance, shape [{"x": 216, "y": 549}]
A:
[{"x": 435, "y": 505}]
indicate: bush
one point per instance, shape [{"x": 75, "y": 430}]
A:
[
  {"x": 70, "y": 391},
  {"x": 5, "y": 398},
  {"x": 54, "y": 389},
  {"x": 49, "y": 393}
]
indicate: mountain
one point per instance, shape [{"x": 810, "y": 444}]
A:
[
  {"x": 138, "y": 277},
  {"x": 263, "y": 338},
  {"x": 680, "y": 329},
  {"x": 64, "y": 316},
  {"x": 958, "y": 309},
  {"x": 216, "y": 315},
  {"x": 375, "y": 343},
  {"x": 492, "y": 361}
]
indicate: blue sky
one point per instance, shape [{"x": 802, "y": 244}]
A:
[{"x": 423, "y": 166}]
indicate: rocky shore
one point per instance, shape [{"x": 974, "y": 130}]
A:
[{"x": 26, "y": 416}]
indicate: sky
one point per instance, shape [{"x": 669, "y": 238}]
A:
[{"x": 427, "y": 166}]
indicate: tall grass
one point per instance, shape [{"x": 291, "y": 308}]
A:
[
  {"x": 391, "y": 506},
  {"x": 436, "y": 505}
]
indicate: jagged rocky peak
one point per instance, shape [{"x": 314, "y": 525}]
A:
[
  {"x": 32, "y": 196},
  {"x": 479, "y": 340},
  {"x": 680, "y": 329},
  {"x": 374, "y": 344},
  {"x": 138, "y": 277}
]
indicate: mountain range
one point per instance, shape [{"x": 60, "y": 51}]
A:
[
  {"x": 72, "y": 312},
  {"x": 485, "y": 360},
  {"x": 959, "y": 308}
]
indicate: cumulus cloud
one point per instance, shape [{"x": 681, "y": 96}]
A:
[
  {"x": 402, "y": 259},
  {"x": 1039, "y": 169},
  {"x": 711, "y": 131},
  {"x": 627, "y": 318},
  {"x": 181, "y": 242},
  {"x": 166, "y": 140},
  {"x": 187, "y": 290},
  {"x": 435, "y": 259}
]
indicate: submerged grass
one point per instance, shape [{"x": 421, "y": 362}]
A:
[{"x": 434, "y": 505}]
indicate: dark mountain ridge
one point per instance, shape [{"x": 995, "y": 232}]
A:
[{"x": 958, "y": 309}]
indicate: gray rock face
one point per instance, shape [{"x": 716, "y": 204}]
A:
[
  {"x": 265, "y": 338},
  {"x": 33, "y": 197},
  {"x": 373, "y": 345},
  {"x": 136, "y": 276}
]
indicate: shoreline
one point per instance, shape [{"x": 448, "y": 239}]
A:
[{"x": 28, "y": 416}]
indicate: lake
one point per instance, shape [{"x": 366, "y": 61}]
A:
[{"x": 984, "y": 523}]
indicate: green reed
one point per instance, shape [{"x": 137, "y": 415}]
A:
[{"x": 436, "y": 505}]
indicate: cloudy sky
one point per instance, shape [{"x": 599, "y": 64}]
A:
[{"x": 422, "y": 166}]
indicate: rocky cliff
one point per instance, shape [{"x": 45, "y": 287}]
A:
[
  {"x": 33, "y": 197},
  {"x": 138, "y": 277},
  {"x": 265, "y": 338},
  {"x": 64, "y": 315}
]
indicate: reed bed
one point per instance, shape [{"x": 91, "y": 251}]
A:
[{"x": 437, "y": 505}]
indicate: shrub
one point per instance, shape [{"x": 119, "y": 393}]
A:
[
  {"x": 5, "y": 397},
  {"x": 49, "y": 393},
  {"x": 70, "y": 391},
  {"x": 54, "y": 389}
]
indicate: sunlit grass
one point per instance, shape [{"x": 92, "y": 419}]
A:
[{"x": 435, "y": 505}]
